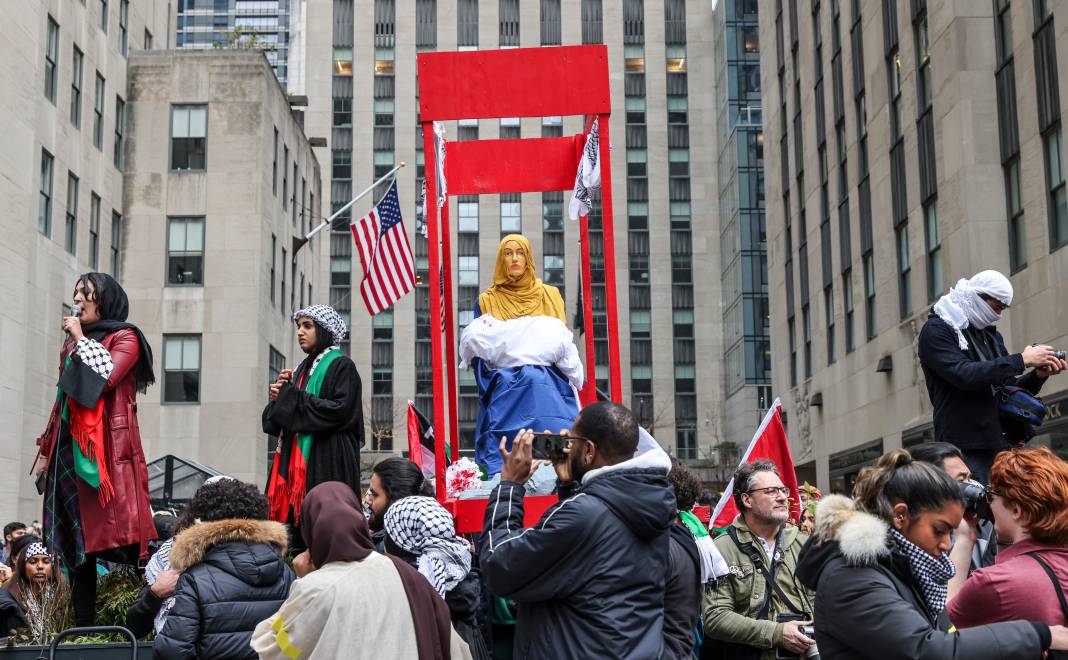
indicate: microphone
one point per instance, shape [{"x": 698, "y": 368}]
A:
[{"x": 75, "y": 310}]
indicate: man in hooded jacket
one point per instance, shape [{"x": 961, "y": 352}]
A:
[
  {"x": 589, "y": 577},
  {"x": 964, "y": 357}
]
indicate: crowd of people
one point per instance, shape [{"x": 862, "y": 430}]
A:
[{"x": 956, "y": 548}]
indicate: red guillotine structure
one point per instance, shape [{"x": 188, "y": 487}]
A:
[{"x": 491, "y": 84}]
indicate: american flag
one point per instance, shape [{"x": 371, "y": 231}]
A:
[{"x": 388, "y": 264}]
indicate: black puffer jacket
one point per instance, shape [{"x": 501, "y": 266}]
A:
[
  {"x": 589, "y": 577},
  {"x": 11, "y": 615},
  {"x": 959, "y": 383},
  {"x": 233, "y": 577},
  {"x": 868, "y": 605}
]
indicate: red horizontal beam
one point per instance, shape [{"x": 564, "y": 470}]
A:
[
  {"x": 517, "y": 82},
  {"x": 478, "y": 167},
  {"x": 470, "y": 515}
]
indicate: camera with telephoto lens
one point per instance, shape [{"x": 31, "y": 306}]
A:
[
  {"x": 1058, "y": 354},
  {"x": 977, "y": 498}
]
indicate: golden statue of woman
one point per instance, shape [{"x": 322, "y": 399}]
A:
[{"x": 516, "y": 290}]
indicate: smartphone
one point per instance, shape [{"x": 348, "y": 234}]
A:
[{"x": 550, "y": 446}]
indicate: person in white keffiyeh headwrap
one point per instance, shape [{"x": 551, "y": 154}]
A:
[
  {"x": 420, "y": 531},
  {"x": 965, "y": 361}
]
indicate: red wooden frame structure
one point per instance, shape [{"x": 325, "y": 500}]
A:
[{"x": 490, "y": 84}]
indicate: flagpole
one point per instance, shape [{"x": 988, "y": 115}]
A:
[{"x": 298, "y": 241}]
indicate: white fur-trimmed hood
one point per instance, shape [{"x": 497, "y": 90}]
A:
[{"x": 861, "y": 536}]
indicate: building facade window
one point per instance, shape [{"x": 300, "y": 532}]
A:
[
  {"x": 94, "y": 231},
  {"x": 116, "y": 244},
  {"x": 185, "y": 251},
  {"x": 847, "y": 301},
  {"x": 511, "y": 214},
  {"x": 1057, "y": 199},
  {"x": 51, "y": 60},
  {"x": 98, "y": 113},
  {"x": 274, "y": 265},
  {"x": 44, "y": 207},
  {"x": 77, "y": 66},
  {"x": 189, "y": 137},
  {"x": 124, "y": 27},
  {"x": 934, "y": 250},
  {"x": 181, "y": 368},
  {"x": 1009, "y": 133},
  {"x": 148, "y": 39},
  {"x": 120, "y": 131},
  {"x": 274, "y": 165},
  {"x": 70, "y": 233},
  {"x": 103, "y": 15}
]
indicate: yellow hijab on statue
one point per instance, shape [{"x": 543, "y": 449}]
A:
[{"x": 511, "y": 297}]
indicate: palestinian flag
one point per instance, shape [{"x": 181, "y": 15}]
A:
[{"x": 421, "y": 442}]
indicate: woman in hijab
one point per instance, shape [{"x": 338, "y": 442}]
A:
[
  {"x": 33, "y": 605},
  {"x": 327, "y": 614},
  {"x": 964, "y": 358},
  {"x": 520, "y": 345},
  {"x": 95, "y": 476},
  {"x": 420, "y": 531},
  {"x": 316, "y": 413}
]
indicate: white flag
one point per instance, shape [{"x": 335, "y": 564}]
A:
[
  {"x": 588, "y": 176},
  {"x": 439, "y": 148}
]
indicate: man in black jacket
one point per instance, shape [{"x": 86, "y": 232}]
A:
[
  {"x": 589, "y": 577},
  {"x": 964, "y": 357}
]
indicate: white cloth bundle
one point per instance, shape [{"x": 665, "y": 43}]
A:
[{"x": 537, "y": 340}]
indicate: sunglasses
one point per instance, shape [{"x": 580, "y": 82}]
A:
[{"x": 994, "y": 302}]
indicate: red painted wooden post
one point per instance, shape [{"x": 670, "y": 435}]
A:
[
  {"x": 614, "y": 377},
  {"x": 450, "y": 332},
  {"x": 435, "y": 312}
]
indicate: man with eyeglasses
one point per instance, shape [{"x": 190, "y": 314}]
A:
[
  {"x": 759, "y": 604},
  {"x": 589, "y": 577},
  {"x": 965, "y": 362}
]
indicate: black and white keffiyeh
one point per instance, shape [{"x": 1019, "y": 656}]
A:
[
  {"x": 424, "y": 528},
  {"x": 93, "y": 355},
  {"x": 160, "y": 561},
  {"x": 36, "y": 550},
  {"x": 325, "y": 316},
  {"x": 932, "y": 573},
  {"x": 588, "y": 176}
]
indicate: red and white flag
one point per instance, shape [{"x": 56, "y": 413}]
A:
[
  {"x": 769, "y": 443},
  {"x": 386, "y": 256}
]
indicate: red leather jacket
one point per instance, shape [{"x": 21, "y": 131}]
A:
[{"x": 127, "y": 518}]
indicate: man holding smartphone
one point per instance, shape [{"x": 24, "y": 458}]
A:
[{"x": 589, "y": 577}]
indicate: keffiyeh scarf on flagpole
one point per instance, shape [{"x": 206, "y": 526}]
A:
[
  {"x": 964, "y": 306},
  {"x": 424, "y": 528},
  {"x": 287, "y": 490},
  {"x": 588, "y": 177}
]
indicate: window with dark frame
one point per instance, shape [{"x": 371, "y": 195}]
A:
[
  {"x": 116, "y": 244},
  {"x": 189, "y": 137},
  {"x": 124, "y": 27},
  {"x": 98, "y": 113},
  {"x": 120, "y": 131},
  {"x": 77, "y": 66},
  {"x": 94, "y": 231},
  {"x": 181, "y": 368},
  {"x": 51, "y": 60},
  {"x": 185, "y": 251},
  {"x": 274, "y": 264},
  {"x": 274, "y": 165},
  {"x": 148, "y": 39},
  {"x": 44, "y": 208},
  {"x": 103, "y": 15},
  {"x": 70, "y": 234}
]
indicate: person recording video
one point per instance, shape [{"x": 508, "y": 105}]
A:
[
  {"x": 1028, "y": 496},
  {"x": 965, "y": 363}
]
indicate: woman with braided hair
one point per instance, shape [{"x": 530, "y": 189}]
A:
[
  {"x": 34, "y": 604},
  {"x": 316, "y": 414}
]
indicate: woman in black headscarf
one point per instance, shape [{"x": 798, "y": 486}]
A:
[
  {"x": 96, "y": 480},
  {"x": 350, "y": 601},
  {"x": 316, "y": 414}
]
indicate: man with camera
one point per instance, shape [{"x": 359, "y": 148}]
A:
[
  {"x": 759, "y": 609},
  {"x": 979, "y": 391},
  {"x": 984, "y": 550},
  {"x": 589, "y": 577}
]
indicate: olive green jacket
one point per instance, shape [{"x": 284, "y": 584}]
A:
[{"x": 734, "y": 599}]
